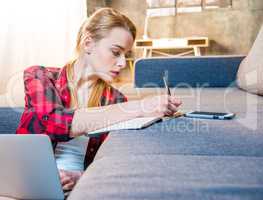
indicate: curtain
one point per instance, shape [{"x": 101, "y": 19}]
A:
[{"x": 35, "y": 32}]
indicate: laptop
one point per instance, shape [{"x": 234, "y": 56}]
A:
[{"x": 28, "y": 168}]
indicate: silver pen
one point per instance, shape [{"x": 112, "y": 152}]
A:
[{"x": 166, "y": 86}]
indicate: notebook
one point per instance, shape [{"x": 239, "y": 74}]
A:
[{"x": 137, "y": 123}]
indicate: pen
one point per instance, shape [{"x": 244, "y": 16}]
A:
[
  {"x": 177, "y": 113},
  {"x": 166, "y": 86}
]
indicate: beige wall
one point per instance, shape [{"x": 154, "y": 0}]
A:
[
  {"x": 92, "y": 5},
  {"x": 230, "y": 30},
  {"x": 135, "y": 9}
]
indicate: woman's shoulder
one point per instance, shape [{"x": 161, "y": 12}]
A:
[
  {"x": 39, "y": 71},
  {"x": 40, "y": 68}
]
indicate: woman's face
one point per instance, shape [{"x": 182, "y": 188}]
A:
[{"x": 107, "y": 56}]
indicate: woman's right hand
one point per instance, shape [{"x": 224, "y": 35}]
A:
[
  {"x": 69, "y": 179},
  {"x": 163, "y": 105}
]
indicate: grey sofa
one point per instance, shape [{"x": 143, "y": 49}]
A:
[{"x": 185, "y": 158}]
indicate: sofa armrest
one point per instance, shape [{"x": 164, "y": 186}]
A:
[{"x": 190, "y": 71}]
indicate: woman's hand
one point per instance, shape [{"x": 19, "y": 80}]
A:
[
  {"x": 163, "y": 105},
  {"x": 69, "y": 179}
]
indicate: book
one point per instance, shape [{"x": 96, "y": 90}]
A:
[
  {"x": 133, "y": 124},
  {"x": 137, "y": 123}
]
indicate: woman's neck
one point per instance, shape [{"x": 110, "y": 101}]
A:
[{"x": 83, "y": 73}]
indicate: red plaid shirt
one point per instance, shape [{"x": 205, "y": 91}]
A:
[{"x": 47, "y": 106}]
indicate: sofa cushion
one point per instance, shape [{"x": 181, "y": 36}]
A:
[
  {"x": 170, "y": 176},
  {"x": 242, "y": 136},
  {"x": 9, "y": 119},
  {"x": 250, "y": 72}
]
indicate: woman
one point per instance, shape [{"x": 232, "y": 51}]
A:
[{"x": 69, "y": 102}]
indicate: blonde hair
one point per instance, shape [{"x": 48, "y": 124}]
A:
[{"x": 97, "y": 26}]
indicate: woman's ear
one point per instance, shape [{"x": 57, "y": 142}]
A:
[{"x": 88, "y": 43}]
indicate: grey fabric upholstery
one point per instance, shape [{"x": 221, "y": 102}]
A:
[
  {"x": 205, "y": 71},
  {"x": 169, "y": 177},
  {"x": 184, "y": 158},
  {"x": 9, "y": 119}
]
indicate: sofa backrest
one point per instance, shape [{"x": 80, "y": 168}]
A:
[
  {"x": 9, "y": 119},
  {"x": 189, "y": 71}
]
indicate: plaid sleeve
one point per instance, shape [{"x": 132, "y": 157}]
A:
[
  {"x": 111, "y": 96},
  {"x": 120, "y": 98},
  {"x": 44, "y": 111}
]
